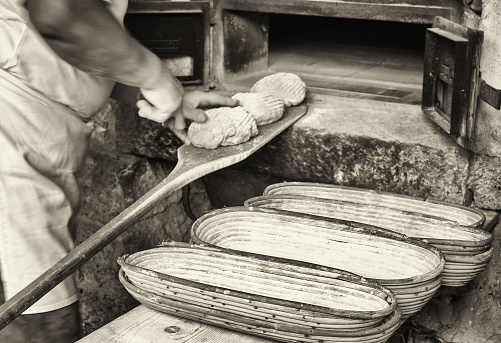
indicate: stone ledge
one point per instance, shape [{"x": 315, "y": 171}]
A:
[
  {"x": 370, "y": 144},
  {"x": 355, "y": 142}
]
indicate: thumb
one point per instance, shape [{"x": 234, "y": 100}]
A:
[{"x": 194, "y": 114}]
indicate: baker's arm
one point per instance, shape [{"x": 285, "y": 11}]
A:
[{"x": 85, "y": 34}]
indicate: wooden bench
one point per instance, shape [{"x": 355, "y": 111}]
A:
[{"x": 144, "y": 325}]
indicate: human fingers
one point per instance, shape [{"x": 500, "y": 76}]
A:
[
  {"x": 187, "y": 111},
  {"x": 209, "y": 99},
  {"x": 148, "y": 111},
  {"x": 145, "y": 108},
  {"x": 166, "y": 93},
  {"x": 194, "y": 114},
  {"x": 179, "y": 121}
]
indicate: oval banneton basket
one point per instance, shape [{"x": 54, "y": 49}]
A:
[
  {"x": 271, "y": 297},
  {"x": 457, "y": 214},
  {"x": 408, "y": 267},
  {"x": 454, "y": 229}
]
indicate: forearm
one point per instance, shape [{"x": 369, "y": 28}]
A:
[{"x": 85, "y": 34}]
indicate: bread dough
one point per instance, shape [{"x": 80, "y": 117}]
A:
[
  {"x": 224, "y": 126},
  {"x": 286, "y": 86},
  {"x": 265, "y": 108}
]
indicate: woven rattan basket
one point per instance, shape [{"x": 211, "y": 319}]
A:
[
  {"x": 271, "y": 297},
  {"x": 409, "y": 267},
  {"x": 454, "y": 213},
  {"x": 454, "y": 229}
]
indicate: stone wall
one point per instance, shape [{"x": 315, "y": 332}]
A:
[
  {"x": 484, "y": 177},
  {"x": 472, "y": 313}
]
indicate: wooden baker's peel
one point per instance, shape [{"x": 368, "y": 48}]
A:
[{"x": 193, "y": 163}]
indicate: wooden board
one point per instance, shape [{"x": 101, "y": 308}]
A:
[{"x": 144, "y": 325}]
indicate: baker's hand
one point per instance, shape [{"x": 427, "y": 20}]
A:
[
  {"x": 193, "y": 103},
  {"x": 162, "y": 98},
  {"x": 190, "y": 108}
]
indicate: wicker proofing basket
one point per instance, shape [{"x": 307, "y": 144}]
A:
[
  {"x": 270, "y": 297},
  {"x": 454, "y": 229},
  {"x": 409, "y": 267},
  {"x": 461, "y": 215}
]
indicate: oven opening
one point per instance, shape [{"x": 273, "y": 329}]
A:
[
  {"x": 379, "y": 60},
  {"x": 177, "y": 38},
  {"x": 350, "y": 56}
]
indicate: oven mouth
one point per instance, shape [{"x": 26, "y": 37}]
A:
[
  {"x": 379, "y": 60},
  {"x": 175, "y": 33}
]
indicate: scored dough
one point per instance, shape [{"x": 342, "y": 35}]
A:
[
  {"x": 286, "y": 86},
  {"x": 224, "y": 126},
  {"x": 265, "y": 108}
]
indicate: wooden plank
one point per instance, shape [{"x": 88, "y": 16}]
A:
[
  {"x": 401, "y": 12},
  {"x": 144, "y": 325},
  {"x": 168, "y": 6},
  {"x": 490, "y": 95}
]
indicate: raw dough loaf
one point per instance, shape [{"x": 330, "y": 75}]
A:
[
  {"x": 265, "y": 108},
  {"x": 224, "y": 126},
  {"x": 286, "y": 86}
]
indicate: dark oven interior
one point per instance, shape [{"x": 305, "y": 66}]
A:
[
  {"x": 381, "y": 60},
  {"x": 176, "y": 31},
  {"x": 177, "y": 38}
]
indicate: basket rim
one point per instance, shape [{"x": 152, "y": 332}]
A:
[
  {"x": 370, "y": 192},
  {"x": 481, "y": 258},
  {"x": 352, "y": 279},
  {"x": 484, "y": 237},
  {"x": 327, "y": 223},
  {"x": 389, "y": 320}
]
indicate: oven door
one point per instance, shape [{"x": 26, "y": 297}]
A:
[
  {"x": 176, "y": 31},
  {"x": 451, "y": 80}
]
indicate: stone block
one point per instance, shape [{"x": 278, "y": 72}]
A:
[
  {"x": 485, "y": 181},
  {"x": 488, "y": 123},
  {"x": 143, "y": 137}
]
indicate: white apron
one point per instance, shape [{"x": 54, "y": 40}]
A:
[{"x": 44, "y": 103}]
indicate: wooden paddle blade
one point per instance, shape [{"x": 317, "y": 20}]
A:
[
  {"x": 223, "y": 156},
  {"x": 193, "y": 162}
]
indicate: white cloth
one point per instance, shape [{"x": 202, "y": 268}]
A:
[
  {"x": 26, "y": 55},
  {"x": 44, "y": 102}
]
